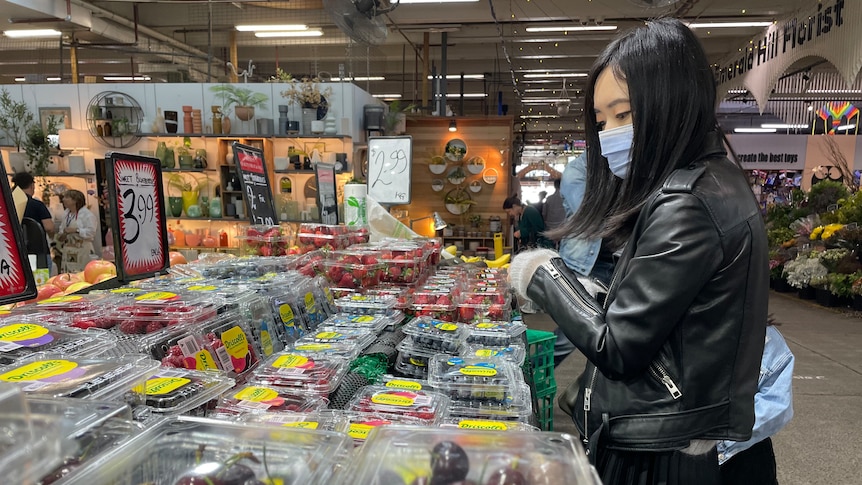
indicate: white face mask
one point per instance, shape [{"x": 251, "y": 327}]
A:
[{"x": 616, "y": 145}]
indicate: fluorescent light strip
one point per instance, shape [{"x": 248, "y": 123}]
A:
[
  {"x": 52, "y": 79},
  {"x": 18, "y": 34},
  {"x": 845, "y": 127},
  {"x": 270, "y": 28},
  {"x": 834, "y": 91},
  {"x": 458, "y": 76},
  {"x": 728, "y": 25},
  {"x": 736, "y": 91},
  {"x": 20, "y": 79},
  {"x": 360, "y": 78},
  {"x": 290, "y": 33},
  {"x": 537, "y": 116},
  {"x": 405, "y": 2},
  {"x": 779, "y": 126},
  {"x": 754, "y": 130},
  {"x": 126, "y": 78},
  {"x": 387, "y": 96},
  {"x": 543, "y": 100},
  {"x": 572, "y": 28},
  {"x": 541, "y": 57},
  {"x": 467, "y": 95},
  {"x": 554, "y": 74}
]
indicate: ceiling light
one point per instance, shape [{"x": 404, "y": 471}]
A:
[
  {"x": 537, "y": 116},
  {"x": 754, "y": 130},
  {"x": 387, "y": 96},
  {"x": 834, "y": 91},
  {"x": 845, "y": 127},
  {"x": 780, "y": 126},
  {"x": 467, "y": 95},
  {"x": 728, "y": 25},
  {"x": 360, "y": 78},
  {"x": 542, "y": 100},
  {"x": 453, "y": 126},
  {"x": 17, "y": 34},
  {"x": 270, "y": 28},
  {"x": 52, "y": 79},
  {"x": 290, "y": 33},
  {"x": 20, "y": 79},
  {"x": 458, "y": 76},
  {"x": 542, "y": 57},
  {"x": 572, "y": 28},
  {"x": 126, "y": 78},
  {"x": 555, "y": 74}
]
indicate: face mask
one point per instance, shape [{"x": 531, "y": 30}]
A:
[{"x": 616, "y": 145}]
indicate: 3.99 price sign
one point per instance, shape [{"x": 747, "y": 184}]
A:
[
  {"x": 16, "y": 277},
  {"x": 137, "y": 215},
  {"x": 255, "y": 184}
]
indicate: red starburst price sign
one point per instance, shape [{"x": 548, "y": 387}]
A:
[
  {"x": 16, "y": 277},
  {"x": 137, "y": 215}
]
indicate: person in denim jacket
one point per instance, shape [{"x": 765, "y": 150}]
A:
[{"x": 752, "y": 462}]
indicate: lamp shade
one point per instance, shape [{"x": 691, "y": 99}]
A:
[{"x": 71, "y": 139}]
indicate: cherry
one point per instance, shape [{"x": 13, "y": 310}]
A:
[
  {"x": 449, "y": 463},
  {"x": 506, "y": 476},
  {"x": 237, "y": 474}
]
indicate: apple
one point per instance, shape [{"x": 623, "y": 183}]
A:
[
  {"x": 63, "y": 280},
  {"x": 47, "y": 291},
  {"x": 104, "y": 277},
  {"x": 98, "y": 267},
  {"x": 176, "y": 258},
  {"x": 76, "y": 287}
]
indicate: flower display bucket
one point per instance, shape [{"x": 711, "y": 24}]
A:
[
  {"x": 828, "y": 299},
  {"x": 781, "y": 285},
  {"x": 857, "y": 302},
  {"x": 807, "y": 293}
]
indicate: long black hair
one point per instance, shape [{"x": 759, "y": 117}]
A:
[{"x": 673, "y": 99}]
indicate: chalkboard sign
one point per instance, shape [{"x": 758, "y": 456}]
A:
[
  {"x": 255, "y": 184},
  {"x": 137, "y": 215},
  {"x": 326, "y": 193},
  {"x": 389, "y": 162},
  {"x": 16, "y": 276}
]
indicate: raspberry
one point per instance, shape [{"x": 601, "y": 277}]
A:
[
  {"x": 129, "y": 327},
  {"x": 175, "y": 351},
  {"x": 153, "y": 326}
]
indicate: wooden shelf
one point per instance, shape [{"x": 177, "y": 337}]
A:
[
  {"x": 208, "y": 219},
  {"x": 188, "y": 170},
  {"x": 231, "y": 191},
  {"x": 64, "y": 174},
  {"x": 238, "y": 136},
  {"x": 299, "y": 172}
]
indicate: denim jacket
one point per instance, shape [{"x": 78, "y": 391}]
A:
[
  {"x": 773, "y": 403},
  {"x": 579, "y": 254}
]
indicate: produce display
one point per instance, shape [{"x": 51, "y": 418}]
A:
[
  {"x": 176, "y": 391},
  {"x": 472, "y": 378},
  {"x": 426, "y": 406},
  {"x": 22, "y": 336},
  {"x": 433, "y": 334},
  {"x": 317, "y": 375},
  {"x": 255, "y": 399}
]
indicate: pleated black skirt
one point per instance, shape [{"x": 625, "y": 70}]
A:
[{"x": 657, "y": 468}]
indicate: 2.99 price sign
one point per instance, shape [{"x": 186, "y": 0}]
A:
[
  {"x": 137, "y": 215},
  {"x": 255, "y": 184}
]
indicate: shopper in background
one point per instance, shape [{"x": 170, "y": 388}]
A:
[
  {"x": 674, "y": 350},
  {"x": 752, "y": 462},
  {"x": 553, "y": 211},
  {"x": 530, "y": 224},
  {"x": 75, "y": 236},
  {"x": 540, "y": 203},
  {"x": 35, "y": 209}
]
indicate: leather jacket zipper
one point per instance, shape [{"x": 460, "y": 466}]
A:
[
  {"x": 567, "y": 288},
  {"x": 660, "y": 373}
]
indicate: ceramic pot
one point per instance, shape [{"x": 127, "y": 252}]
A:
[
  {"x": 176, "y": 206},
  {"x": 243, "y": 113},
  {"x": 186, "y": 160},
  {"x": 308, "y": 115},
  {"x": 190, "y": 198},
  {"x": 225, "y": 125}
]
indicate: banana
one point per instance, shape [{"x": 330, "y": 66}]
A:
[
  {"x": 451, "y": 249},
  {"x": 496, "y": 263},
  {"x": 505, "y": 266}
]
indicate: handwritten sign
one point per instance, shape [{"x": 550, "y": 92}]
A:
[
  {"x": 326, "y": 195},
  {"x": 255, "y": 184},
  {"x": 137, "y": 215},
  {"x": 16, "y": 277},
  {"x": 389, "y": 162}
]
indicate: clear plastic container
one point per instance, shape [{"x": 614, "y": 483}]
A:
[
  {"x": 479, "y": 424},
  {"x": 517, "y": 406},
  {"x": 366, "y": 304},
  {"x": 28, "y": 446},
  {"x": 318, "y": 375},
  {"x": 360, "y": 337},
  {"x": 53, "y": 375},
  {"x": 423, "y": 405},
  {"x": 438, "y": 455},
  {"x": 322, "y": 236},
  {"x": 412, "y": 360},
  {"x": 396, "y": 382},
  {"x": 403, "y": 295},
  {"x": 255, "y": 399},
  {"x": 497, "y": 333},
  {"x": 199, "y": 450},
  {"x": 473, "y": 378},
  {"x": 264, "y": 240},
  {"x": 434, "y": 334},
  {"x": 156, "y": 310},
  {"x": 340, "y": 350},
  {"x": 173, "y": 392},
  {"x": 438, "y": 303},
  {"x": 485, "y": 306},
  {"x": 360, "y": 425},
  {"x": 372, "y": 323},
  {"x": 514, "y": 353},
  {"x": 346, "y": 269},
  {"x": 21, "y": 336},
  {"x": 81, "y": 311},
  {"x": 325, "y": 419}
]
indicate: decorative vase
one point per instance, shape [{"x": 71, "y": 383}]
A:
[
  {"x": 200, "y": 160},
  {"x": 244, "y": 113},
  {"x": 190, "y": 198},
  {"x": 194, "y": 210},
  {"x": 171, "y": 124},
  {"x": 330, "y": 123},
  {"x": 225, "y": 125},
  {"x": 186, "y": 160},
  {"x": 215, "y": 207},
  {"x": 176, "y": 206},
  {"x": 167, "y": 158},
  {"x": 308, "y": 115}
]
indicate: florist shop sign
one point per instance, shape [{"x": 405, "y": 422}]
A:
[{"x": 770, "y": 152}]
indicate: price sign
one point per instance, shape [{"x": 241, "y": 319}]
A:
[
  {"x": 255, "y": 184},
  {"x": 326, "y": 196},
  {"x": 16, "y": 277},
  {"x": 137, "y": 215},
  {"x": 389, "y": 161}
]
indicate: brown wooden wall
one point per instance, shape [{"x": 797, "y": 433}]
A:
[{"x": 487, "y": 137}]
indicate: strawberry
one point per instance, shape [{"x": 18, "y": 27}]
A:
[
  {"x": 369, "y": 259},
  {"x": 346, "y": 281},
  {"x": 265, "y": 250},
  {"x": 394, "y": 272},
  {"x": 444, "y": 300}
]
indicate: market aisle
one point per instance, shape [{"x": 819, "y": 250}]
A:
[{"x": 821, "y": 445}]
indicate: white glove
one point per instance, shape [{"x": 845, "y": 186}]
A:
[{"x": 524, "y": 265}]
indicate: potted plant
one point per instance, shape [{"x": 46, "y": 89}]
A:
[
  {"x": 15, "y": 118},
  {"x": 307, "y": 94},
  {"x": 38, "y": 147},
  {"x": 244, "y": 100},
  {"x": 457, "y": 175},
  {"x": 800, "y": 272},
  {"x": 458, "y": 201},
  {"x": 189, "y": 187},
  {"x": 839, "y": 286},
  {"x": 395, "y": 120},
  {"x": 856, "y": 291}
]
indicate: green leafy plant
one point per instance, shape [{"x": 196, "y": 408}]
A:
[
  {"x": 824, "y": 194},
  {"x": 37, "y": 146},
  {"x": 15, "y": 119},
  {"x": 841, "y": 285},
  {"x": 850, "y": 208},
  {"x": 396, "y": 111},
  {"x": 801, "y": 270},
  {"x": 281, "y": 76},
  {"x": 239, "y": 96},
  {"x": 778, "y": 236},
  {"x": 187, "y": 182}
]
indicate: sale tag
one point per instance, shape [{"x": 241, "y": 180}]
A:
[
  {"x": 16, "y": 277},
  {"x": 137, "y": 215}
]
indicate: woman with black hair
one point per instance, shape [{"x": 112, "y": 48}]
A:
[{"x": 674, "y": 347}]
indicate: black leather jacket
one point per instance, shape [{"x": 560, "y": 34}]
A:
[{"x": 674, "y": 353}]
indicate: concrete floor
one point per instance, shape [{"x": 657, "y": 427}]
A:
[{"x": 823, "y": 442}]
